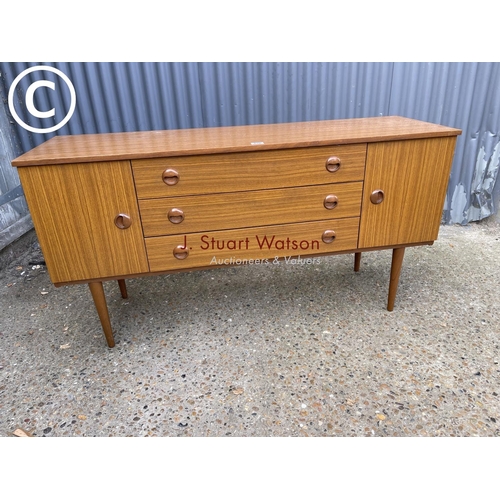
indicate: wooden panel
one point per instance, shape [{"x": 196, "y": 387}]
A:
[
  {"x": 240, "y": 245},
  {"x": 156, "y": 144},
  {"x": 73, "y": 209},
  {"x": 248, "y": 171},
  {"x": 252, "y": 208},
  {"x": 414, "y": 176}
]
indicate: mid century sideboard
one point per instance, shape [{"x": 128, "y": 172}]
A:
[{"x": 121, "y": 205}]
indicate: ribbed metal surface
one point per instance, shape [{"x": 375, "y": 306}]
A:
[
  {"x": 15, "y": 219},
  {"x": 116, "y": 97}
]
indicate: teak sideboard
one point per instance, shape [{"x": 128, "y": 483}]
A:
[{"x": 120, "y": 205}]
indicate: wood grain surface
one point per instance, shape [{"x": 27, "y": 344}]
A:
[
  {"x": 235, "y": 246},
  {"x": 413, "y": 175},
  {"x": 156, "y": 144},
  {"x": 252, "y": 208},
  {"x": 219, "y": 173},
  {"x": 73, "y": 209}
]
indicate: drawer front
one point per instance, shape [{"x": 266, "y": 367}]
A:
[
  {"x": 218, "y": 173},
  {"x": 245, "y": 246},
  {"x": 189, "y": 214}
]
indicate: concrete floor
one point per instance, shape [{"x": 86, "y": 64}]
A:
[{"x": 288, "y": 350}]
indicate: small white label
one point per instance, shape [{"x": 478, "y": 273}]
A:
[{"x": 257, "y": 143}]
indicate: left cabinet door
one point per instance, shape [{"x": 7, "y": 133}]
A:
[{"x": 74, "y": 207}]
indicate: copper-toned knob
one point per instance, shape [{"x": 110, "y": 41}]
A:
[
  {"x": 328, "y": 236},
  {"x": 123, "y": 221},
  {"x": 331, "y": 201},
  {"x": 175, "y": 215},
  {"x": 377, "y": 197},
  {"x": 181, "y": 252},
  {"x": 170, "y": 177},
  {"x": 333, "y": 163}
]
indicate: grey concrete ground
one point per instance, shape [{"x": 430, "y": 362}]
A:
[{"x": 288, "y": 350}]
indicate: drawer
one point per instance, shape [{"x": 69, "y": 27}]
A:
[
  {"x": 218, "y": 173},
  {"x": 245, "y": 246},
  {"x": 188, "y": 214}
]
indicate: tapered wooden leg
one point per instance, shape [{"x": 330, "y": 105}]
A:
[
  {"x": 357, "y": 261},
  {"x": 397, "y": 261},
  {"x": 123, "y": 288},
  {"x": 97, "y": 291}
]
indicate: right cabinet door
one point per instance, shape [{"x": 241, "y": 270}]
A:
[{"x": 404, "y": 191}]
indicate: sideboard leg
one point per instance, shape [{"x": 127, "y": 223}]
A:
[
  {"x": 357, "y": 261},
  {"x": 97, "y": 291},
  {"x": 397, "y": 261},
  {"x": 123, "y": 288}
]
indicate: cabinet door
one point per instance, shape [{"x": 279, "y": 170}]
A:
[
  {"x": 413, "y": 176},
  {"x": 74, "y": 207}
]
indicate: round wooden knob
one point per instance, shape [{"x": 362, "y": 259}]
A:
[
  {"x": 123, "y": 221},
  {"x": 333, "y": 163},
  {"x": 170, "y": 177},
  {"x": 181, "y": 252},
  {"x": 175, "y": 215},
  {"x": 331, "y": 201},
  {"x": 377, "y": 197},
  {"x": 328, "y": 236}
]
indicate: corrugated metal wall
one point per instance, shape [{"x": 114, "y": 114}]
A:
[
  {"x": 15, "y": 219},
  {"x": 117, "y": 97}
]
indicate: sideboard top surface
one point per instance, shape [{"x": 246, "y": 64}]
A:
[{"x": 183, "y": 142}]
